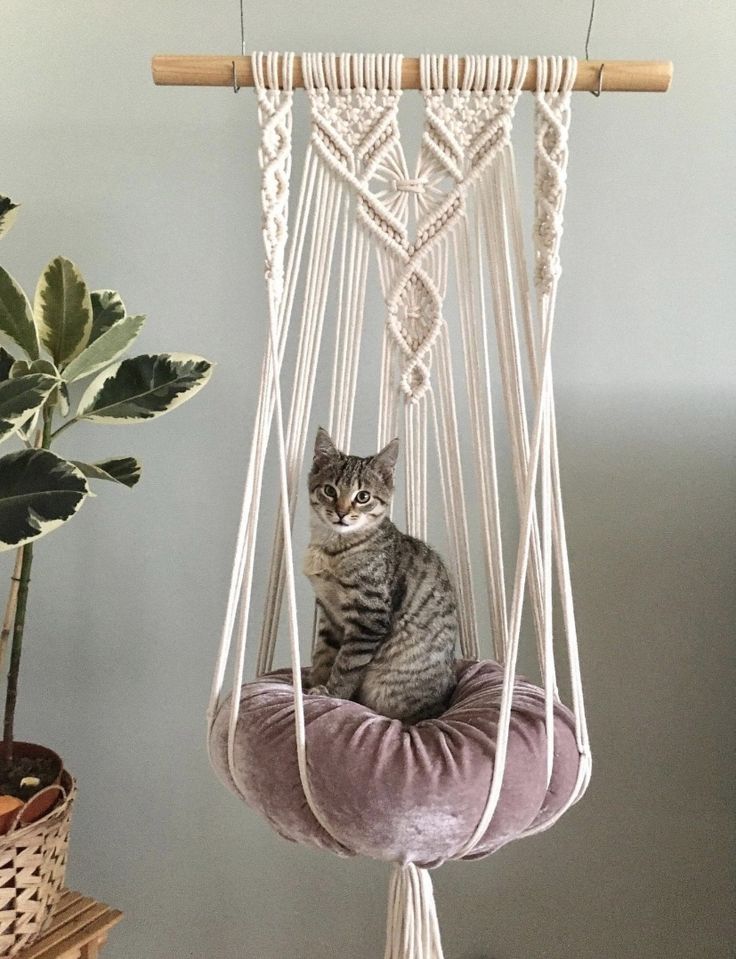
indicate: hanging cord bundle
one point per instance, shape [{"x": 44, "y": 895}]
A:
[
  {"x": 352, "y": 205},
  {"x": 467, "y": 406}
]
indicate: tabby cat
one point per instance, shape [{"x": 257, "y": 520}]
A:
[{"x": 387, "y": 611}]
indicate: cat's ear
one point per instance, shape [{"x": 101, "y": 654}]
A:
[
  {"x": 325, "y": 450},
  {"x": 385, "y": 461}
]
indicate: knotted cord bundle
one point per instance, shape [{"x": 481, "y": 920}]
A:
[{"x": 450, "y": 228}]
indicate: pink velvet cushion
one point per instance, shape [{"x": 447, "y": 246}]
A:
[{"x": 406, "y": 794}]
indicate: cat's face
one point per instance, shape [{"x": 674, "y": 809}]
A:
[{"x": 350, "y": 493}]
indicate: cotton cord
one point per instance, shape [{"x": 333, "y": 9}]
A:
[
  {"x": 412, "y": 929},
  {"x": 355, "y": 202}
]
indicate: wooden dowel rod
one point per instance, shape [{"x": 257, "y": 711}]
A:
[{"x": 633, "y": 76}]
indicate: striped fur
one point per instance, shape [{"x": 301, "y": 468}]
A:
[{"x": 387, "y": 613}]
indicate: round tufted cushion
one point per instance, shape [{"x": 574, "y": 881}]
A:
[{"x": 406, "y": 794}]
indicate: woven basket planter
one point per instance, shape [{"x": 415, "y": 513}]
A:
[{"x": 32, "y": 866}]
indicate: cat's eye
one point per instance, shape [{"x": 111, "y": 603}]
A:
[
  {"x": 362, "y": 496},
  {"x": 329, "y": 491}
]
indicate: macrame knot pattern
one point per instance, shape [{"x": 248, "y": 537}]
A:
[
  {"x": 555, "y": 79},
  {"x": 354, "y": 102},
  {"x": 415, "y": 320},
  {"x": 273, "y": 85},
  {"x": 416, "y": 185}
]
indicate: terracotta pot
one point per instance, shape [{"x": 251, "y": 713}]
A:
[
  {"x": 44, "y": 800},
  {"x": 9, "y": 807}
]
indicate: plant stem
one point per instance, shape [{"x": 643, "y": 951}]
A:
[
  {"x": 14, "y": 668},
  {"x": 20, "y": 585},
  {"x": 48, "y": 435},
  {"x": 11, "y": 604},
  {"x": 52, "y": 436}
]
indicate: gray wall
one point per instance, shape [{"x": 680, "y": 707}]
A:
[{"x": 154, "y": 191}]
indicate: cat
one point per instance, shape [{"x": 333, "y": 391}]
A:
[{"x": 387, "y": 609}]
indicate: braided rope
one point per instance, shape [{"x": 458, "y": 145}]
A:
[
  {"x": 274, "y": 94},
  {"x": 552, "y": 124}
]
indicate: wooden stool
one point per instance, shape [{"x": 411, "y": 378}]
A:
[{"x": 78, "y": 930}]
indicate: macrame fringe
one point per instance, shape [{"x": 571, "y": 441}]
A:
[{"x": 412, "y": 928}]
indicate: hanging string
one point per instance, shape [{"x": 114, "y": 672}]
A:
[
  {"x": 242, "y": 28},
  {"x": 587, "y": 36},
  {"x": 597, "y": 92}
]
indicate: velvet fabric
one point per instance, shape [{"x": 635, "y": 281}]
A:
[{"x": 396, "y": 793}]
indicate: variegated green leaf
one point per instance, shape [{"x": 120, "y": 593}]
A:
[
  {"x": 6, "y": 364},
  {"x": 124, "y": 469},
  {"x": 8, "y": 213},
  {"x": 107, "y": 348},
  {"x": 107, "y": 308},
  {"x": 23, "y": 368},
  {"x": 20, "y": 398},
  {"x": 44, "y": 366},
  {"x": 143, "y": 387},
  {"x": 38, "y": 493},
  {"x": 20, "y": 368},
  {"x": 63, "y": 310},
  {"x": 62, "y": 398},
  {"x": 16, "y": 318}
]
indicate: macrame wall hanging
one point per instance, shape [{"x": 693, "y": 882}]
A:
[{"x": 468, "y": 316}]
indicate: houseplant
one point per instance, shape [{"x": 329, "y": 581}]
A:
[{"x": 68, "y": 336}]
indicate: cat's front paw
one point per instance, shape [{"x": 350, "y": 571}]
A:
[{"x": 318, "y": 691}]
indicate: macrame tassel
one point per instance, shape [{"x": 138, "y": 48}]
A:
[{"x": 412, "y": 929}]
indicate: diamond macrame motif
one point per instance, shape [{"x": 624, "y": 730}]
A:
[{"x": 356, "y": 133}]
